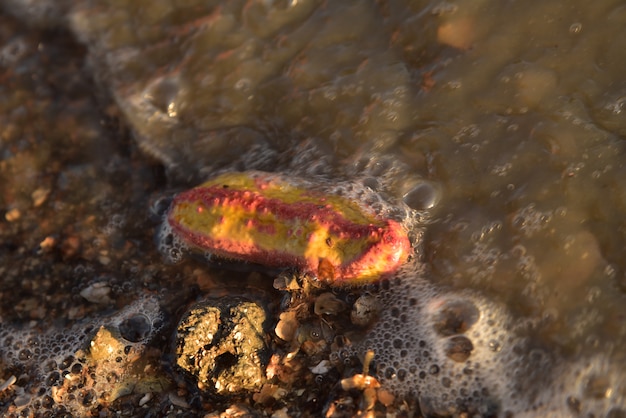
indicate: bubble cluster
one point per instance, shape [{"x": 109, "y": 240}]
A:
[
  {"x": 171, "y": 247},
  {"x": 529, "y": 220},
  {"x": 73, "y": 371},
  {"x": 458, "y": 352}
]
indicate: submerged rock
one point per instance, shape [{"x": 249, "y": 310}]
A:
[
  {"x": 222, "y": 344},
  {"x": 205, "y": 84}
]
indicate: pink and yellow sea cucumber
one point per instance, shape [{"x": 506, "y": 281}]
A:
[{"x": 268, "y": 219}]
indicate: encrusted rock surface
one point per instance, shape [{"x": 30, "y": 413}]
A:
[{"x": 222, "y": 343}]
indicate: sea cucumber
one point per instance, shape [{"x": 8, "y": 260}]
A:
[{"x": 270, "y": 220}]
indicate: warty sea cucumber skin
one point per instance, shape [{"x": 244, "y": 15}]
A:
[{"x": 266, "y": 219}]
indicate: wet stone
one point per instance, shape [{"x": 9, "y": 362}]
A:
[
  {"x": 459, "y": 348},
  {"x": 573, "y": 404},
  {"x": 365, "y": 311},
  {"x": 597, "y": 387},
  {"x": 616, "y": 413},
  {"x": 221, "y": 344},
  {"x": 455, "y": 317}
]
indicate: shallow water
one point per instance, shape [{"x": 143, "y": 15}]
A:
[
  {"x": 502, "y": 123},
  {"x": 507, "y": 115}
]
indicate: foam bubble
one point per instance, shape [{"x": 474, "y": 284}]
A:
[
  {"x": 171, "y": 247},
  {"x": 56, "y": 360},
  {"x": 588, "y": 386},
  {"x": 458, "y": 352},
  {"x": 422, "y": 196},
  {"x": 529, "y": 220}
]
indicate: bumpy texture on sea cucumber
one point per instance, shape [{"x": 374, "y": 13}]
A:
[{"x": 267, "y": 219}]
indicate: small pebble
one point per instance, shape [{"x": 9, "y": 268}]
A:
[
  {"x": 328, "y": 304},
  {"x": 8, "y": 383},
  {"x": 39, "y": 197},
  {"x": 145, "y": 399},
  {"x": 47, "y": 244},
  {"x": 365, "y": 310},
  {"x": 322, "y": 367},
  {"x": 13, "y": 215},
  {"x": 287, "y": 326},
  {"x": 97, "y": 293},
  {"x": 459, "y": 348},
  {"x": 178, "y": 401}
]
